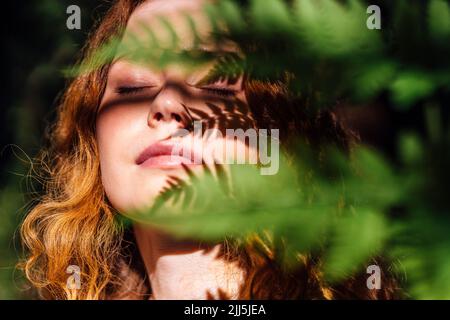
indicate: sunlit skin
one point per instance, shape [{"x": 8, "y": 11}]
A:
[{"x": 142, "y": 106}]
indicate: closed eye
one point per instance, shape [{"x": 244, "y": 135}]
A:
[
  {"x": 220, "y": 91},
  {"x": 130, "y": 90}
]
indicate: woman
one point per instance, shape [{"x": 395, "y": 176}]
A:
[{"x": 109, "y": 153}]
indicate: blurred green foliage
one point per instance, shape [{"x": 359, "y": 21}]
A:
[{"x": 298, "y": 206}]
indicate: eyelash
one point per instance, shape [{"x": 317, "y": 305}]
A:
[
  {"x": 220, "y": 91},
  {"x": 129, "y": 90}
]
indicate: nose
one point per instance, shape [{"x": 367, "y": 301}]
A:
[{"x": 167, "y": 108}]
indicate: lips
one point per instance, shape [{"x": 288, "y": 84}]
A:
[{"x": 165, "y": 155}]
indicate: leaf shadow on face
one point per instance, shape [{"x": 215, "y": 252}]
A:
[{"x": 220, "y": 115}]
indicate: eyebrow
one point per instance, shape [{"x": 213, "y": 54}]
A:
[
  {"x": 231, "y": 48},
  {"x": 228, "y": 48}
]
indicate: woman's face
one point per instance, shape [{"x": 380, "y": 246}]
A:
[{"x": 143, "y": 109}]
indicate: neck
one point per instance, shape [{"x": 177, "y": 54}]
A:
[{"x": 185, "y": 269}]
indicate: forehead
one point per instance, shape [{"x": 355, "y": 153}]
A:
[
  {"x": 166, "y": 7},
  {"x": 187, "y": 19},
  {"x": 156, "y": 15}
]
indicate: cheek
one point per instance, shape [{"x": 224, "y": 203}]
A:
[
  {"x": 116, "y": 128},
  {"x": 117, "y": 131}
]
